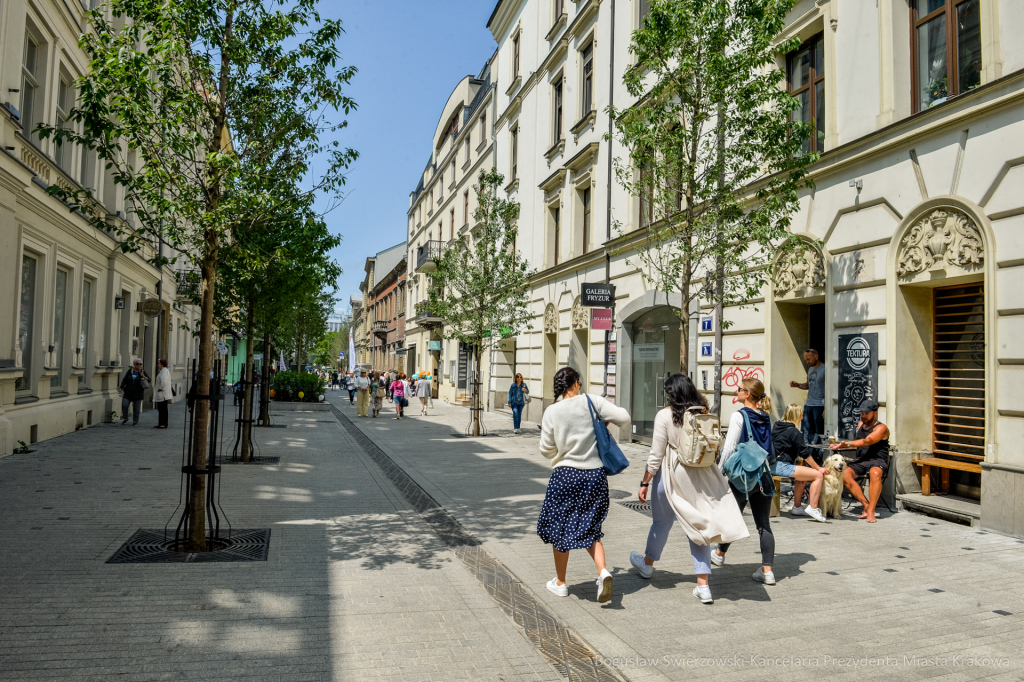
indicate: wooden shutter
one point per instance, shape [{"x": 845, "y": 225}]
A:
[{"x": 958, "y": 412}]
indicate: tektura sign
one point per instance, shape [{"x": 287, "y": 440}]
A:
[{"x": 597, "y": 295}]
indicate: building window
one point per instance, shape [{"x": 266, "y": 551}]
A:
[
  {"x": 515, "y": 56},
  {"x": 451, "y": 233},
  {"x": 556, "y": 216},
  {"x": 465, "y": 207},
  {"x": 946, "y": 50},
  {"x": 65, "y": 95},
  {"x": 557, "y": 124},
  {"x": 467, "y": 148},
  {"x": 515, "y": 153},
  {"x": 453, "y": 171},
  {"x": 483, "y": 127},
  {"x": 646, "y": 196},
  {"x": 588, "y": 79},
  {"x": 83, "y": 334},
  {"x": 559, "y": 9},
  {"x": 585, "y": 200},
  {"x": 60, "y": 309},
  {"x": 26, "y": 321},
  {"x": 807, "y": 85},
  {"x": 643, "y": 9},
  {"x": 29, "y": 85}
]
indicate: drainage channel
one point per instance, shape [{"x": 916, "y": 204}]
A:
[{"x": 565, "y": 650}]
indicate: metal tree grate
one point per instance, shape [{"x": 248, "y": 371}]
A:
[
  {"x": 638, "y": 506},
  {"x": 255, "y": 460},
  {"x": 156, "y": 547}
]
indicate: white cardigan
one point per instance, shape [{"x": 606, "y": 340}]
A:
[
  {"x": 567, "y": 432},
  {"x": 162, "y": 386}
]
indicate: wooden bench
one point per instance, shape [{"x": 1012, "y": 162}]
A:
[{"x": 945, "y": 465}]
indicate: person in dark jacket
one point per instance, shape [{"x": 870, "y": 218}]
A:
[
  {"x": 133, "y": 390},
  {"x": 789, "y": 445},
  {"x": 757, "y": 407}
]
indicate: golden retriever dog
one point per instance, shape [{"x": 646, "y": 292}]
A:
[{"x": 831, "y": 501}]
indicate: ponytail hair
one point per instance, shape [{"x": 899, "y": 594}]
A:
[
  {"x": 565, "y": 378},
  {"x": 758, "y": 394}
]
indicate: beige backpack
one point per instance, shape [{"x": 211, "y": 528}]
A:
[{"x": 699, "y": 439}]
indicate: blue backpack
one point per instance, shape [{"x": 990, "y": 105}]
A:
[{"x": 748, "y": 466}]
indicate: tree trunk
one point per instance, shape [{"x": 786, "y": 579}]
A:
[
  {"x": 476, "y": 390},
  {"x": 247, "y": 395},
  {"x": 196, "y": 541},
  {"x": 265, "y": 382}
]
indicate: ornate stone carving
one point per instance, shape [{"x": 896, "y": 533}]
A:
[
  {"x": 945, "y": 237},
  {"x": 550, "y": 319},
  {"x": 803, "y": 268},
  {"x": 580, "y": 317}
]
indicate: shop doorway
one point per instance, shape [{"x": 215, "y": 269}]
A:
[
  {"x": 796, "y": 326},
  {"x": 655, "y": 342}
]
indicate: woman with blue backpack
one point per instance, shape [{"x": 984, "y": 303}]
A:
[
  {"x": 576, "y": 501},
  {"x": 747, "y": 460}
]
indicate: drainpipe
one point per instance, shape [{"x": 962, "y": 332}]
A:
[{"x": 608, "y": 218}]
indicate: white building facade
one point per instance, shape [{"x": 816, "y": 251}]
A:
[{"x": 913, "y": 231}]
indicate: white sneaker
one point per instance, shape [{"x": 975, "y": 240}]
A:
[
  {"x": 799, "y": 511},
  {"x": 703, "y": 592},
  {"x": 716, "y": 558},
  {"x": 560, "y": 590},
  {"x": 637, "y": 559},
  {"x": 604, "y": 586},
  {"x": 761, "y": 577},
  {"x": 816, "y": 515},
  {"x": 515, "y": 431}
]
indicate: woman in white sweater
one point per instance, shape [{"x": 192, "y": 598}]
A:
[
  {"x": 698, "y": 497},
  {"x": 576, "y": 502}
]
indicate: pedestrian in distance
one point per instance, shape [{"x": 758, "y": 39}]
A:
[
  {"x": 133, "y": 389},
  {"x": 350, "y": 385},
  {"x": 756, "y": 408},
  {"x": 517, "y": 394},
  {"x": 377, "y": 391},
  {"x": 789, "y": 445},
  {"x": 701, "y": 499},
  {"x": 423, "y": 393},
  {"x": 576, "y": 501},
  {"x": 398, "y": 394},
  {"x": 362, "y": 389},
  {"x": 162, "y": 393}
]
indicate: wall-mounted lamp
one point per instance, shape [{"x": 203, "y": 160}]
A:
[{"x": 859, "y": 184}]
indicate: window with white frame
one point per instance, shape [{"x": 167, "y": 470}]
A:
[
  {"x": 587, "y": 80},
  {"x": 60, "y": 315},
  {"x": 65, "y": 97},
  {"x": 514, "y": 168},
  {"x": 30, "y": 84},
  {"x": 557, "y": 108},
  {"x": 516, "y": 41},
  {"x": 27, "y": 322}
]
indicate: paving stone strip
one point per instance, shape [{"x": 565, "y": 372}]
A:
[{"x": 564, "y": 649}]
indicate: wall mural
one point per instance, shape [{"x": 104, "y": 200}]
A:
[{"x": 946, "y": 237}]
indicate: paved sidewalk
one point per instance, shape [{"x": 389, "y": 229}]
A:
[
  {"x": 356, "y": 587},
  {"x": 908, "y": 598}
]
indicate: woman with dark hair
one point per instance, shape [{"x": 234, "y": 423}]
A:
[
  {"x": 576, "y": 501},
  {"x": 517, "y": 394},
  {"x": 702, "y": 501}
]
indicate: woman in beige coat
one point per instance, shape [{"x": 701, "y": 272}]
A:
[{"x": 698, "y": 497}]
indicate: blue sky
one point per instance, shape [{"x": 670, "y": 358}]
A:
[{"x": 410, "y": 56}]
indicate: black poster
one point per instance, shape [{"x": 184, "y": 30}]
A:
[
  {"x": 858, "y": 378},
  {"x": 463, "y": 366}
]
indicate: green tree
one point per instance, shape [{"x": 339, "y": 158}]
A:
[
  {"x": 481, "y": 285},
  {"x": 714, "y": 153},
  {"x": 168, "y": 89}
]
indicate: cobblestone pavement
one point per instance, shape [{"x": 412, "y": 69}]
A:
[
  {"x": 356, "y": 586},
  {"x": 908, "y": 598}
]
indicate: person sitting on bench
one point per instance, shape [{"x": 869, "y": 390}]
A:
[{"x": 872, "y": 443}]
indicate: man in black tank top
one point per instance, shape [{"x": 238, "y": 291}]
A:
[{"x": 872, "y": 443}]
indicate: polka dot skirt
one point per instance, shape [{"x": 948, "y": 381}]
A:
[{"x": 575, "y": 506}]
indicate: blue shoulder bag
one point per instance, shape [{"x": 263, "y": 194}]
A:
[
  {"x": 611, "y": 456},
  {"x": 747, "y": 467}
]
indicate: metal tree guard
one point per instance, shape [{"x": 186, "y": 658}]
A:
[
  {"x": 190, "y": 475},
  {"x": 241, "y": 421},
  {"x": 475, "y": 407}
]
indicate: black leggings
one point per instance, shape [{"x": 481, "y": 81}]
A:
[{"x": 761, "y": 508}]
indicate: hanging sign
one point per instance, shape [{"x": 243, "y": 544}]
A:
[
  {"x": 858, "y": 378},
  {"x": 152, "y": 307},
  {"x": 597, "y": 295},
  {"x": 600, "y": 318},
  {"x": 435, "y": 345}
]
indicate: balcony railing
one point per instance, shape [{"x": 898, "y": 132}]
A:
[
  {"x": 380, "y": 328},
  {"x": 427, "y": 256},
  {"x": 426, "y": 317}
]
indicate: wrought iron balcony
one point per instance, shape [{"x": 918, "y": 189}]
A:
[
  {"x": 426, "y": 317},
  {"x": 427, "y": 255}
]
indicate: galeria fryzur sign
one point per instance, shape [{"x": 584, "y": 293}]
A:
[
  {"x": 597, "y": 295},
  {"x": 858, "y": 378}
]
